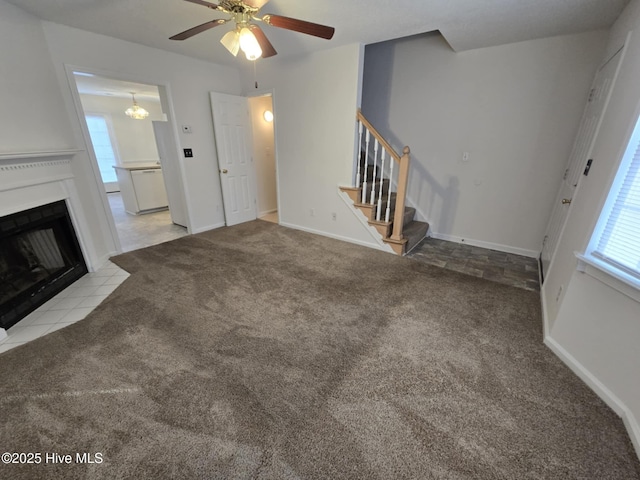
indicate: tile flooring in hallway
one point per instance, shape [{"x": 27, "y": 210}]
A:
[
  {"x": 139, "y": 231},
  {"x": 506, "y": 268},
  {"x": 270, "y": 217}
]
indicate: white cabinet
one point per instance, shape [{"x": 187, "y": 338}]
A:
[{"x": 142, "y": 189}]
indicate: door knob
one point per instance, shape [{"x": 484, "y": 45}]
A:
[
  {"x": 566, "y": 201},
  {"x": 224, "y": 170}
]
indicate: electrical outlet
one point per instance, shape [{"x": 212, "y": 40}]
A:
[
  {"x": 188, "y": 153},
  {"x": 334, "y": 216},
  {"x": 312, "y": 212},
  {"x": 465, "y": 156},
  {"x": 186, "y": 129}
]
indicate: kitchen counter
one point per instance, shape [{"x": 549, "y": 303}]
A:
[
  {"x": 142, "y": 188},
  {"x": 137, "y": 166}
]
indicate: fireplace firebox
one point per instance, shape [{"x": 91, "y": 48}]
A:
[{"x": 39, "y": 257}]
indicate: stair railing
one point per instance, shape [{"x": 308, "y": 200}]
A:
[{"x": 382, "y": 151}]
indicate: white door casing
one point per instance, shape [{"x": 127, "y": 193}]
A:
[
  {"x": 232, "y": 128},
  {"x": 168, "y": 153},
  {"x": 580, "y": 155}
]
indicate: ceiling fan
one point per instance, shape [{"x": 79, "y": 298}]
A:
[{"x": 248, "y": 36}]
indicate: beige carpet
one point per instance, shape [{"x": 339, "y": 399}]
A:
[{"x": 260, "y": 352}]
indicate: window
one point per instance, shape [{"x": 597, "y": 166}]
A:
[
  {"x": 102, "y": 146},
  {"x": 616, "y": 240}
]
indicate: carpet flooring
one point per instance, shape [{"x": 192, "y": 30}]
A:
[{"x": 261, "y": 352}]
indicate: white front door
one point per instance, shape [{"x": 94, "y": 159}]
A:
[
  {"x": 580, "y": 155},
  {"x": 232, "y": 129}
]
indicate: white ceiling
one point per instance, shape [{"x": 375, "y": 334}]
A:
[{"x": 466, "y": 24}]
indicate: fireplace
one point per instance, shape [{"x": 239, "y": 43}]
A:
[{"x": 39, "y": 257}]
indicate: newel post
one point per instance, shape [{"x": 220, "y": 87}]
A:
[{"x": 403, "y": 178}]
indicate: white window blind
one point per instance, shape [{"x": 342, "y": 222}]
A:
[{"x": 617, "y": 238}]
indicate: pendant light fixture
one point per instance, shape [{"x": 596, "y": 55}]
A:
[{"x": 136, "y": 112}]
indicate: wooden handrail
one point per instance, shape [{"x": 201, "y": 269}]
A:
[
  {"x": 377, "y": 135},
  {"x": 404, "y": 162}
]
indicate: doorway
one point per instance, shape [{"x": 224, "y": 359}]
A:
[
  {"x": 262, "y": 124},
  {"x": 142, "y": 188}
]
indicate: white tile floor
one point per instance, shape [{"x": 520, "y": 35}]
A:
[{"x": 69, "y": 306}]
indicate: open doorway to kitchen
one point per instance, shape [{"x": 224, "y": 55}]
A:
[
  {"x": 144, "y": 190},
  {"x": 262, "y": 123}
]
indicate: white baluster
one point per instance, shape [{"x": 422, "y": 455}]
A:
[
  {"x": 359, "y": 153},
  {"x": 379, "y": 209},
  {"x": 375, "y": 169},
  {"x": 366, "y": 165},
  {"x": 386, "y": 217}
]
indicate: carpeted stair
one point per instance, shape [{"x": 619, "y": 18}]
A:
[{"x": 413, "y": 230}]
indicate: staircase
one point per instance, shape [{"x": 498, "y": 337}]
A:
[{"x": 384, "y": 210}]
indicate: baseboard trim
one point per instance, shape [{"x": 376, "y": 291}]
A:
[
  {"x": 545, "y": 317},
  {"x": 607, "y": 396},
  {"x": 334, "y": 236},
  {"x": 3, "y": 334},
  {"x": 208, "y": 227},
  {"x": 492, "y": 246}
]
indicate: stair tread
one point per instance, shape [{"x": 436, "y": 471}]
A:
[{"x": 414, "y": 232}]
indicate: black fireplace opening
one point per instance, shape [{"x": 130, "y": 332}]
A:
[{"x": 39, "y": 257}]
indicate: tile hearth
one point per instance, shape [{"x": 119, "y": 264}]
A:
[{"x": 69, "y": 306}]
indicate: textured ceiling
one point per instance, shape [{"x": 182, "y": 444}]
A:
[{"x": 466, "y": 24}]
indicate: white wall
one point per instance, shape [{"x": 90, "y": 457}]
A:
[
  {"x": 33, "y": 116},
  {"x": 31, "y": 107},
  {"x": 315, "y": 101},
  {"x": 135, "y": 139},
  {"x": 189, "y": 82},
  {"x": 515, "y": 108},
  {"x": 263, "y": 154},
  {"x": 593, "y": 327}
]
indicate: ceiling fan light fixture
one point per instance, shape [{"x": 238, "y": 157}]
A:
[
  {"x": 231, "y": 42},
  {"x": 249, "y": 44},
  {"x": 136, "y": 112}
]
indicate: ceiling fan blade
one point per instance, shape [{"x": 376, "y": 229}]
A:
[
  {"x": 301, "y": 26},
  {"x": 199, "y": 29},
  {"x": 204, "y": 4},
  {"x": 265, "y": 44},
  {"x": 256, "y": 3}
]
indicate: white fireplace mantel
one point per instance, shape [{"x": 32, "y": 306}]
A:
[
  {"x": 17, "y": 156},
  {"x": 32, "y": 179}
]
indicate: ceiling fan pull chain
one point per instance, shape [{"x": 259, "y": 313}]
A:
[{"x": 255, "y": 75}]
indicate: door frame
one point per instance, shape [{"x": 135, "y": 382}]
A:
[
  {"x": 165, "y": 90},
  {"x": 271, "y": 93},
  {"x": 622, "y": 52}
]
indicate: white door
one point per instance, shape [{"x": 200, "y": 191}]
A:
[
  {"x": 232, "y": 129},
  {"x": 580, "y": 155},
  {"x": 168, "y": 153}
]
